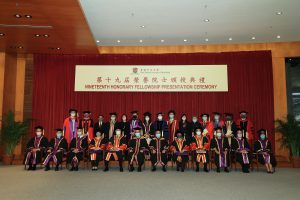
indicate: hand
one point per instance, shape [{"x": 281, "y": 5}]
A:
[
  {"x": 153, "y": 151},
  {"x": 49, "y": 151}
]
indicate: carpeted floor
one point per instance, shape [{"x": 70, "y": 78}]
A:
[{"x": 16, "y": 183}]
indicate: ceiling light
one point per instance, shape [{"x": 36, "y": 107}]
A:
[
  {"x": 2, "y": 34},
  {"x": 20, "y": 47},
  {"x": 162, "y": 40},
  {"x": 142, "y": 26},
  {"x": 28, "y": 16},
  {"x": 37, "y": 35},
  {"x": 253, "y": 38},
  {"x": 278, "y": 13},
  {"x": 141, "y": 41},
  {"x": 58, "y": 48},
  {"x": 46, "y": 35},
  {"x": 185, "y": 40},
  {"x": 17, "y": 16},
  {"x": 206, "y": 39},
  {"x": 230, "y": 38},
  {"x": 118, "y": 41},
  {"x": 98, "y": 41},
  {"x": 278, "y": 36},
  {"x": 206, "y": 20}
]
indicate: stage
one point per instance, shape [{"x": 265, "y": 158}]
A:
[{"x": 87, "y": 184}]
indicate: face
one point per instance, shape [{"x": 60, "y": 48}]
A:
[
  {"x": 58, "y": 134},
  {"x": 171, "y": 115},
  {"x": 100, "y": 118},
  {"x": 262, "y": 136},
  {"x": 179, "y": 135},
  {"x": 79, "y": 132},
  {"x": 183, "y": 117},
  {"x": 134, "y": 116},
  {"x": 217, "y": 117},
  {"x": 204, "y": 118},
  {"x": 38, "y": 132},
  {"x": 124, "y": 118},
  {"x": 239, "y": 134},
  {"x": 194, "y": 119},
  {"x": 159, "y": 117},
  {"x": 118, "y": 132},
  {"x": 243, "y": 115},
  {"x": 73, "y": 114},
  {"x": 198, "y": 132},
  {"x": 219, "y": 133},
  {"x": 113, "y": 117},
  {"x": 147, "y": 118},
  {"x": 157, "y": 134}
]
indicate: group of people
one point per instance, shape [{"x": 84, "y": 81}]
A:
[{"x": 160, "y": 140}]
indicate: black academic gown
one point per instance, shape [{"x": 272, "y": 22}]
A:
[
  {"x": 222, "y": 159},
  {"x": 177, "y": 156},
  {"x": 264, "y": 146},
  {"x": 97, "y": 155},
  {"x": 57, "y": 148},
  {"x": 81, "y": 144},
  {"x": 125, "y": 127},
  {"x": 238, "y": 145},
  {"x": 162, "y": 126},
  {"x": 158, "y": 151},
  {"x": 33, "y": 158},
  {"x": 136, "y": 148}
]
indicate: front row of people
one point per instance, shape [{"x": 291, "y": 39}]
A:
[{"x": 158, "y": 149}]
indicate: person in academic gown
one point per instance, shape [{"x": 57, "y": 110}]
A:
[
  {"x": 219, "y": 144},
  {"x": 35, "y": 148},
  {"x": 86, "y": 123},
  {"x": 125, "y": 127},
  {"x": 115, "y": 149},
  {"x": 70, "y": 125},
  {"x": 111, "y": 125},
  {"x": 180, "y": 151},
  {"x": 194, "y": 125},
  {"x": 136, "y": 150},
  {"x": 147, "y": 123},
  {"x": 208, "y": 129},
  {"x": 200, "y": 148},
  {"x": 184, "y": 126},
  {"x": 159, "y": 151},
  {"x": 263, "y": 148},
  {"x": 96, "y": 148},
  {"x": 160, "y": 125},
  {"x": 173, "y": 125},
  {"x": 58, "y": 146},
  {"x": 135, "y": 122},
  {"x": 100, "y": 125},
  {"x": 78, "y": 147},
  {"x": 229, "y": 127},
  {"x": 247, "y": 127},
  {"x": 241, "y": 148}
]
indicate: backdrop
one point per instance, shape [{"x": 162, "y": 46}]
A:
[{"x": 250, "y": 82}]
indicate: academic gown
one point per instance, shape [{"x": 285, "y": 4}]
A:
[
  {"x": 88, "y": 127},
  {"x": 200, "y": 148},
  {"x": 264, "y": 150},
  {"x": 33, "y": 158},
  {"x": 136, "y": 150},
  {"x": 81, "y": 144},
  {"x": 177, "y": 147},
  {"x": 116, "y": 142},
  {"x": 222, "y": 159},
  {"x": 96, "y": 155},
  {"x": 57, "y": 147},
  {"x": 158, "y": 151},
  {"x": 162, "y": 126},
  {"x": 237, "y": 146}
]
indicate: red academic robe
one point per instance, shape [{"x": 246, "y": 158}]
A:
[
  {"x": 172, "y": 130},
  {"x": 67, "y": 128},
  {"x": 209, "y": 127},
  {"x": 88, "y": 128}
]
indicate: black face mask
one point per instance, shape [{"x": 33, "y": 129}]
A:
[{"x": 134, "y": 117}]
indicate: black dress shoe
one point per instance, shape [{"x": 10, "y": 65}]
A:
[
  {"x": 105, "y": 169},
  {"x": 131, "y": 168},
  {"x": 205, "y": 169},
  {"x": 29, "y": 168},
  {"x": 226, "y": 170},
  {"x": 197, "y": 169},
  {"x": 153, "y": 169},
  {"x": 72, "y": 169},
  {"x": 121, "y": 169},
  {"x": 47, "y": 168},
  {"x": 34, "y": 167},
  {"x": 182, "y": 169},
  {"x": 218, "y": 169},
  {"x": 177, "y": 168},
  {"x": 164, "y": 168},
  {"x": 56, "y": 168},
  {"x": 139, "y": 169},
  {"x": 76, "y": 168}
]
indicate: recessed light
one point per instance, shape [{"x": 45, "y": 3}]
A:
[
  {"x": 142, "y": 26},
  {"x": 37, "y": 35},
  {"x": 185, "y": 40},
  {"x": 46, "y": 35},
  {"x": 278, "y": 13},
  {"x": 206, "y": 39},
  {"x": 230, "y": 38},
  {"x": 118, "y": 41},
  {"x": 253, "y": 38},
  {"x": 162, "y": 40},
  {"x": 141, "y": 41},
  {"x": 278, "y": 36},
  {"x": 206, "y": 20},
  {"x": 98, "y": 41},
  {"x": 28, "y": 16},
  {"x": 20, "y": 47},
  {"x": 2, "y": 34},
  {"x": 58, "y": 48},
  {"x": 18, "y": 15}
]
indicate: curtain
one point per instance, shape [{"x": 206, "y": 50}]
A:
[{"x": 250, "y": 84}]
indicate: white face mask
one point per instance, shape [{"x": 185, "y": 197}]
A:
[
  {"x": 198, "y": 133},
  {"x": 217, "y": 117},
  {"x": 38, "y": 133},
  {"x": 58, "y": 135},
  {"x": 98, "y": 134},
  {"x": 159, "y": 117},
  {"x": 79, "y": 133},
  {"x": 147, "y": 118},
  {"x": 157, "y": 135},
  {"x": 118, "y": 133},
  {"x": 194, "y": 120},
  {"x": 204, "y": 118},
  {"x": 138, "y": 134},
  {"x": 113, "y": 118},
  {"x": 73, "y": 114},
  {"x": 219, "y": 134},
  {"x": 171, "y": 116}
]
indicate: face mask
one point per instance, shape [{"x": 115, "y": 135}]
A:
[
  {"x": 183, "y": 119},
  {"x": 219, "y": 134},
  {"x": 204, "y": 118},
  {"x": 157, "y": 135},
  {"x": 101, "y": 119},
  {"x": 243, "y": 116},
  {"x": 79, "y": 134},
  {"x": 73, "y": 114},
  {"x": 138, "y": 134},
  {"x": 113, "y": 118},
  {"x": 134, "y": 117},
  {"x": 263, "y": 136},
  {"x": 198, "y": 133},
  {"x": 194, "y": 120},
  {"x": 159, "y": 117},
  {"x": 38, "y": 133},
  {"x": 118, "y": 133},
  {"x": 239, "y": 135},
  {"x": 147, "y": 118},
  {"x": 58, "y": 135},
  {"x": 217, "y": 117},
  {"x": 228, "y": 119},
  {"x": 98, "y": 134},
  {"x": 171, "y": 116},
  {"x": 179, "y": 137}
]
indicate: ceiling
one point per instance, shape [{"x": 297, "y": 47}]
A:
[
  {"x": 180, "y": 22},
  {"x": 61, "y": 20}
]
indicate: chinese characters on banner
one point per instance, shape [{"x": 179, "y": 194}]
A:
[{"x": 151, "y": 78}]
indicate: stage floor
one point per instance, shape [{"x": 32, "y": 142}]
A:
[{"x": 16, "y": 183}]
